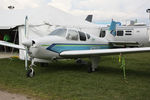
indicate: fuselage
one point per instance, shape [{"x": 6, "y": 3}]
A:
[{"x": 49, "y": 47}]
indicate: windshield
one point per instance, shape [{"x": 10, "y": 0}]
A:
[{"x": 59, "y": 32}]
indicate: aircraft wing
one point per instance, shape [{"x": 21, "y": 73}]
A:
[
  {"x": 87, "y": 53},
  {"x": 3, "y": 43},
  {"x": 124, "y": 43}
]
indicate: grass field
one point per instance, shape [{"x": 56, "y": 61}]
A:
[{"x": 66, "y": 80}]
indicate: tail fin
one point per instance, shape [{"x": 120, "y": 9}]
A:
[
  {"x": 89, "y": 18},
  {"x": 112, "y": 27}
]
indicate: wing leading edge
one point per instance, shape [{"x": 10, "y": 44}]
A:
[
  {"x": 87, "y": 53},
  {"x": 3, "y": 43}
]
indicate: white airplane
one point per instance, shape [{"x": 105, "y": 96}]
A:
[{"x": 136, "y": 35}]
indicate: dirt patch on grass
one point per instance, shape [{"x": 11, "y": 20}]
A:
[{"x": 9, "y": 96}]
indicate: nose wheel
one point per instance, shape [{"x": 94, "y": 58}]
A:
[{"x": 30, "y": 72}]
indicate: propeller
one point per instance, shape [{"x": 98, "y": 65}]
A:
[{"x": 25, "y": 43}]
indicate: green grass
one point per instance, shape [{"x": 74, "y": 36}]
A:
[{"x": 66, "y": 80}]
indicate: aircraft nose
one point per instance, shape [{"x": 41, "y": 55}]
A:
[{"x": 28, "y": 43}]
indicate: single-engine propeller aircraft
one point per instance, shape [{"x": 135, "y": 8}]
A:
[{"x": 68, "y": 43}]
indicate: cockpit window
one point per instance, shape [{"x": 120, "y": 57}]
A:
[
  {"x": 88, "y": 36},
  {"x": 82, "y": 36},
  {"x": 102, "y": 34},
  {"x": 72, "y": 35},
  {"x": 59, "y": 32}
]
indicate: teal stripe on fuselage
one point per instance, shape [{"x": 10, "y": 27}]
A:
[{"x": 68, "y": 47}]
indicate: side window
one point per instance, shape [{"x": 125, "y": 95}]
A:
[
  {"x": 128, "y": 32},
  {"x": 82, "y": 36},
  {"x": 102, "y": 34},
  {"x": 72, "y": 35},
  {"x": 88, "y": 36},
  {"x": 119, "y": 33}
]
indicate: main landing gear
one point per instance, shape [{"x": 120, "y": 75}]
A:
[
  {"x": 92, "y": 68},
  {"x": 95, "y": 62},
  {"x": 30, "y": 72}
]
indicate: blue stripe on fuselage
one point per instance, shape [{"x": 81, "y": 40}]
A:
[{"x": 60, "y": 47}]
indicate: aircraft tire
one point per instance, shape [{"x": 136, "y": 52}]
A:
[{"x": 30, "y": 73}]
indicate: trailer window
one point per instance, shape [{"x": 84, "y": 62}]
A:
[
  {"x": 128, "y": 32},
  {"x": 119, "y": 33}
]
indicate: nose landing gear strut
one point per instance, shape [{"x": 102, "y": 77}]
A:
[{"x": 30, "y": 71}]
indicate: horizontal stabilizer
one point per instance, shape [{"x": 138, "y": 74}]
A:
[{"x": 8, "y": 44}]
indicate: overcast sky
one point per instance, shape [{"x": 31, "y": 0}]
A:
[{"x": 103, "y": 10}]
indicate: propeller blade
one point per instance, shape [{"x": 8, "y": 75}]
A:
[
  {"x": 26, "y": 59},
  {"x": 26, "y": 35}
]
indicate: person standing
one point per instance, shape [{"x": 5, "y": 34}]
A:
[{"x": 7, "y": 39}]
